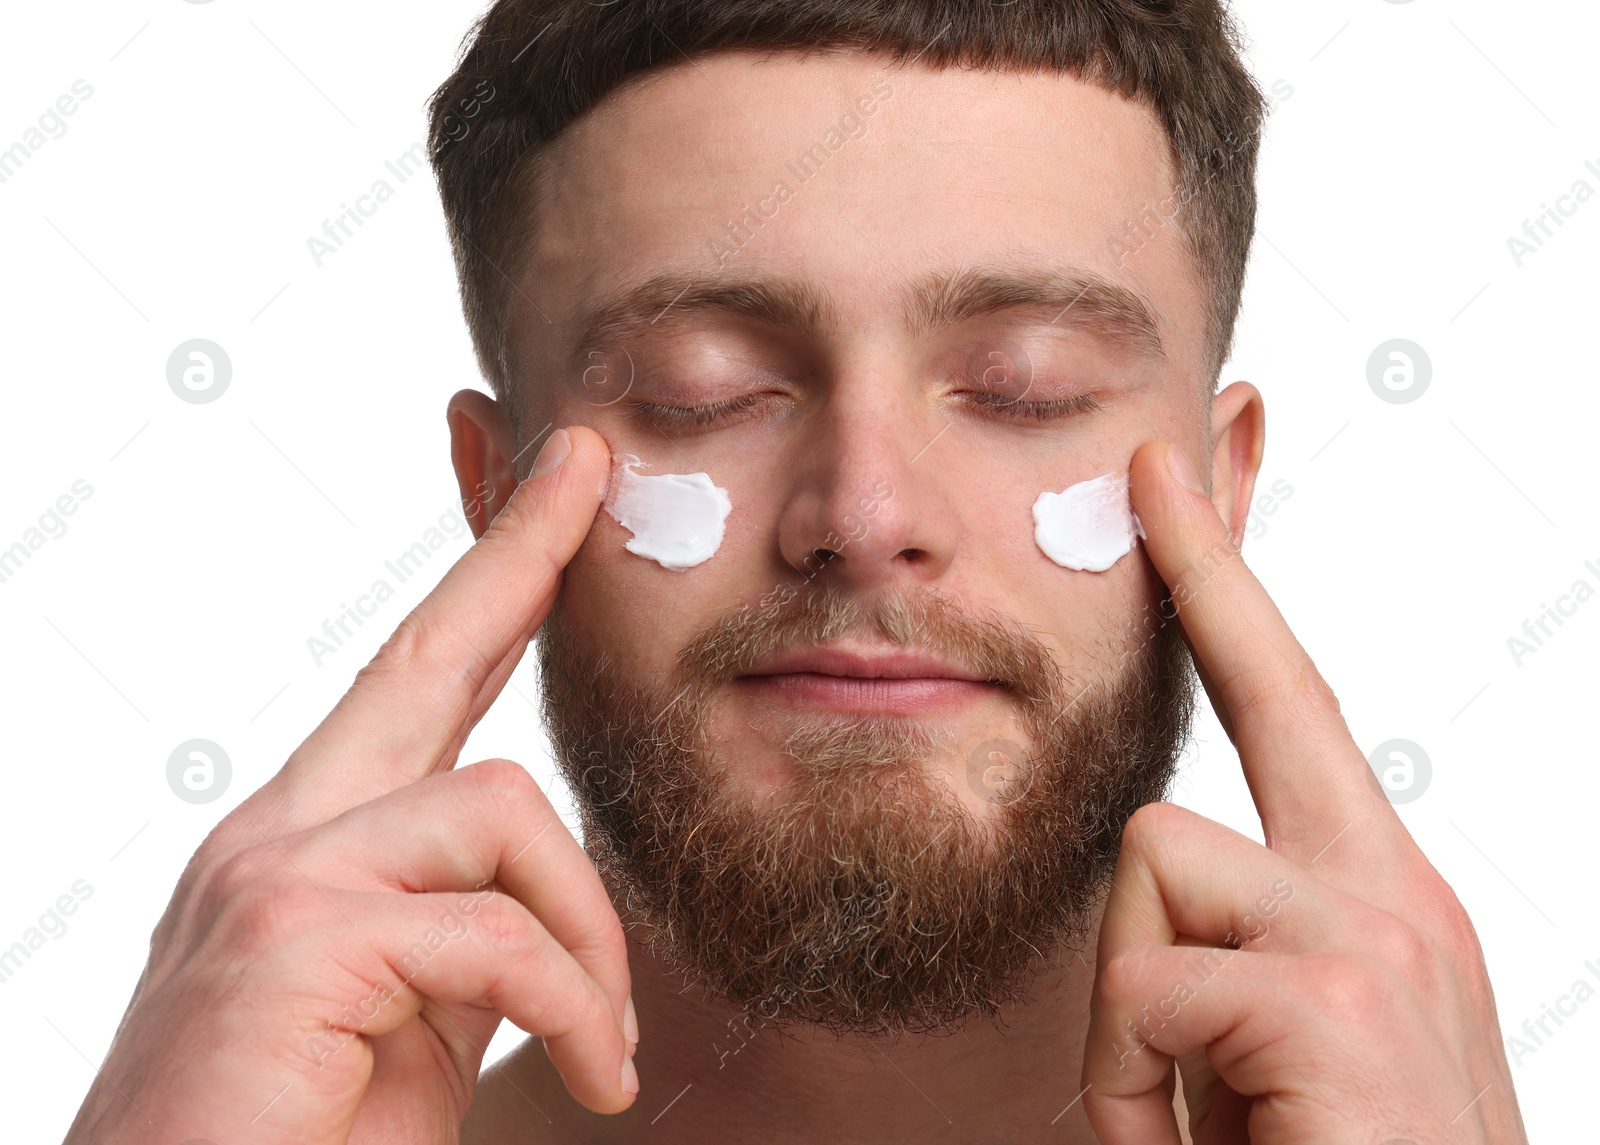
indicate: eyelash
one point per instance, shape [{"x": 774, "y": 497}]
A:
[
  {"x": 1033, "y": 411},
  {"x": 697, "y": 416}
]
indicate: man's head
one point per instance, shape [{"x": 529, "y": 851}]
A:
[{"x": 885, "y": 275}]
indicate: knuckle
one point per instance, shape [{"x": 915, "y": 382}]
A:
[
  {"x": 594, "y": 1012},
  {"x": 1442, "y": 949},
  {"x": 1314, "y": 692},
  {"x": 1252, "y": 691},
  {"x": 238, "y": 832},
  {"x": 397, "y": 654},
  {"x": 507, "y": 535},
  {"x": 1457, "y": 933},
  {"x": 1256, "y": 691},
  {"x": 421, "y": 644},
  {"x": 1353, "y": 988},
  {"x": 603, "y": 936},
  {"x": 1121, "y": 978},
  {"x": 1153, "y": 827},
  {"x": 240, "y": 874},
  {"x": 503, "y": 782},
  {"x": 516, "y": 516},
  {"x": 221, "y": 869},
  {"x": 611, "y": 934},
  {"x": 1444, "y": 917},
  {"x": 557, "y": 1002},
  {"x": 264, "y": 914},
  {"x": 1396, "y": 943},
  {"x": 568, "y": 1011},
  {"x": 504, "y": 925}
]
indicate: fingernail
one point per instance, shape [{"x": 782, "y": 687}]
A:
[
  {"x": 630, "y": 1022},
  {"x": 1182, "y": 469},
  {"x": 556, "y": 450},
  {"x": 630, "y": 1077}
]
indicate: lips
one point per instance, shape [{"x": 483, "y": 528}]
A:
[{"x": 885, "y": 681}]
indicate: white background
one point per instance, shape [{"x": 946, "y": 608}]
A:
[{"x": 218, "y": 537}]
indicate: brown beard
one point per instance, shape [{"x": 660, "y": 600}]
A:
[{"x": 864, "y": 897}]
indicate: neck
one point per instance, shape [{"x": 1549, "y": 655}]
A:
[{"x": 709, "y": 1072}]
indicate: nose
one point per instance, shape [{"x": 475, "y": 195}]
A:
[{"x": 868, "y": 506}]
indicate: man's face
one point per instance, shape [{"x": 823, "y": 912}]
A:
[{"x": 918, "y": 326}]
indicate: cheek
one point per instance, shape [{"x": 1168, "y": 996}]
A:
[
  {"x": 623, "y": 607},
  {"x": 1088, "y": 619},
  {"x": 642, "y": 614},
  {"x": 1095, "y": 623}
]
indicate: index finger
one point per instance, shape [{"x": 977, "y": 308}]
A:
[
  {"x": 1306, "y": 774},
  {"x": 411, "y": 703}
]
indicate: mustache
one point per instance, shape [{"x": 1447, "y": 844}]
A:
[{"x": 986, "y": 643}]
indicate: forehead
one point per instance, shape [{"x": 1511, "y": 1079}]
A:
[{"x": 862, "y": 177}]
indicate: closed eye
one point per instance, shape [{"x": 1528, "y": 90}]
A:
[
  {"x": 700, "y": 416},
  {"x": 1004, "y": 405}
]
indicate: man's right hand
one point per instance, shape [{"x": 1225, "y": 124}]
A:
[{"x": 343, "y": 945}]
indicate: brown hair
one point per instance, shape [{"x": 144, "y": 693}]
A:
[{"x": 530, "y": 67}]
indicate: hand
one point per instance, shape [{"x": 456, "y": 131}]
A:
[
  {"x": 1327, "y": 987},
  {"x": 342, "y": 946}
]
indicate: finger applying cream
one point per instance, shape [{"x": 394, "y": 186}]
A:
[
  {"x": 677, "y": 519},
  {"x": 1088, "y": 526}
]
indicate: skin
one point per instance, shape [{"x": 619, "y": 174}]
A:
[{"x": 1357, "y": 1009}]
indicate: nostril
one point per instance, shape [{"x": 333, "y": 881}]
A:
[
  {"x": 824, "y": 555},
  {"x": 912, "y": 554}
]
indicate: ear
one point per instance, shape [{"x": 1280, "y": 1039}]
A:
[
  {"x": 482, "y": 449},
  {"x": 1239, "y": 436}
]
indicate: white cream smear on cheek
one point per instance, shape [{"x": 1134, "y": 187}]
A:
[
  {"x": 1088, "y": 526},
  {"x": 677, "y": 519}
]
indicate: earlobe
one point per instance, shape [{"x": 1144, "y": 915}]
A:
[
  {"x": 1239, "y": 435},
  {"x": 482, "y": 448}
]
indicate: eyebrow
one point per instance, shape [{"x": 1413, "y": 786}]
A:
[
  {"x": 783, "y": 303},
  {"x": 1079, "y": 299}
]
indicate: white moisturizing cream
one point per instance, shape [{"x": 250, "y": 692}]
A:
[
  {"x": 677, "y": 519},
  {"x": 1088, "y": 526}
]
